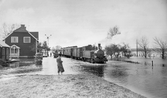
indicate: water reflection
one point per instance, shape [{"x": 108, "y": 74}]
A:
[
  {"x": 97, "y": 70},
  {"x": 118, "y": 71},
  {"x": 164, "y": 70},
  {"x": 22, "y": 62},
  {"x": 163, "y": 65},
  {"x": 147, "y": 78},
  {"x": 142, "y": 78}
]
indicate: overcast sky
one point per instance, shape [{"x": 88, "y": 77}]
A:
[{"x": 82, "y": 22}]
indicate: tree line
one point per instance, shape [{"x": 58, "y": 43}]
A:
[
  {"x": 114, "y": 50},
  {"x": 160, "y": 46}
]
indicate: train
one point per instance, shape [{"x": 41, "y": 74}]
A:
[{"x": 86, "y": 53}]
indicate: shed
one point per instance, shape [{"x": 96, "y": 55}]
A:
[{"x": 4, "y": 51}]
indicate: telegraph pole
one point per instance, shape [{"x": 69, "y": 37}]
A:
[
  {"x": 137, "y": 47},
  {"x": 47, "y": 37}
]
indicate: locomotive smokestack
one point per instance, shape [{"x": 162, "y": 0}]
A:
[{"x": 99, "y": 46}]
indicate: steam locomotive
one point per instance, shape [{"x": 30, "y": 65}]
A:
[{"x": 85, "y": 53}]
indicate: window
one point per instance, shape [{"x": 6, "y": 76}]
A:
[
  {"x": 14, "y": 39},
  {"x": 14, "y": 50},
  {"x": 27, "y": 39}
]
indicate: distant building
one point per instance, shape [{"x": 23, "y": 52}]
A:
[
  {"x": 22, "y": 43},
  {"x": 151, "y": 53}
]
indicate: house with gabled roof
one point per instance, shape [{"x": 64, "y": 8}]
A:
[{"x": 22, "y": 43}]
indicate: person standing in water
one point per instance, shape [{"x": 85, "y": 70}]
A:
[{"x": 60, "y": 64}]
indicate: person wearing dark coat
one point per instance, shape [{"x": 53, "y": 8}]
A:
[{"x": 60, "y": 65}]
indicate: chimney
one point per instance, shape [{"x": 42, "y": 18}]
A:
[{"x": 23, "y": 26}]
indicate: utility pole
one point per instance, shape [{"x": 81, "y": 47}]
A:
[
  {"x": 137, "y": 47},
  {"x": 47, "y": 37}
]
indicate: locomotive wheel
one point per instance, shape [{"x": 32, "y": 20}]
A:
[{"x": 92, "y": 61}]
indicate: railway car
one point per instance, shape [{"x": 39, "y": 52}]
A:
[
  {"x": 88, "y": 55},
  {"x": 85, "y": 52},
  {"x": 68, "y": 51},
  {"x": 79, "y": 53},
  {"x": 74, "y": 52}
]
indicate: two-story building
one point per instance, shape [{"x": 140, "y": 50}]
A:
[{"x": 23, "y": 44}]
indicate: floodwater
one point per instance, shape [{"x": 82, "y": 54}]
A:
[
  {"x": 143, "y": 78},
  {"x": 49, "y": 66},
  {"x": 146, "y": 78}
]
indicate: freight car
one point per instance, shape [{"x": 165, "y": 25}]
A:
[
  {"x": 86, "y": 53},
  {"x": 74, "y": 52},
  {"x": 68, "y": 51},
  {"x": 79, "y": 54}
]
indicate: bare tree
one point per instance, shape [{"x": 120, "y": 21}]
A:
[
  {"x": 7, "y": 29},
  {"x": 143, "y": 44},
  {"x": 112, "y": 32},
  {"x": 162, "y": 45}
]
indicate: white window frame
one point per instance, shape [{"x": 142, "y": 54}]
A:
[
  {"x": 25, "y": 41},
  {"x": 14, "y": 39},
  {"x": 14, "y": 50}
]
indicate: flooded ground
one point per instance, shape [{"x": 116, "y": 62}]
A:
[
  {"x": 142, "y": 78},
  {"x": 49, "y": 66}
]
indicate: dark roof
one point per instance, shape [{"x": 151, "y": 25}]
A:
[
  {"x": 35, "y": 34},
  {"x": 3, "y": 44},
  {"x": 23, "y": 29}
]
